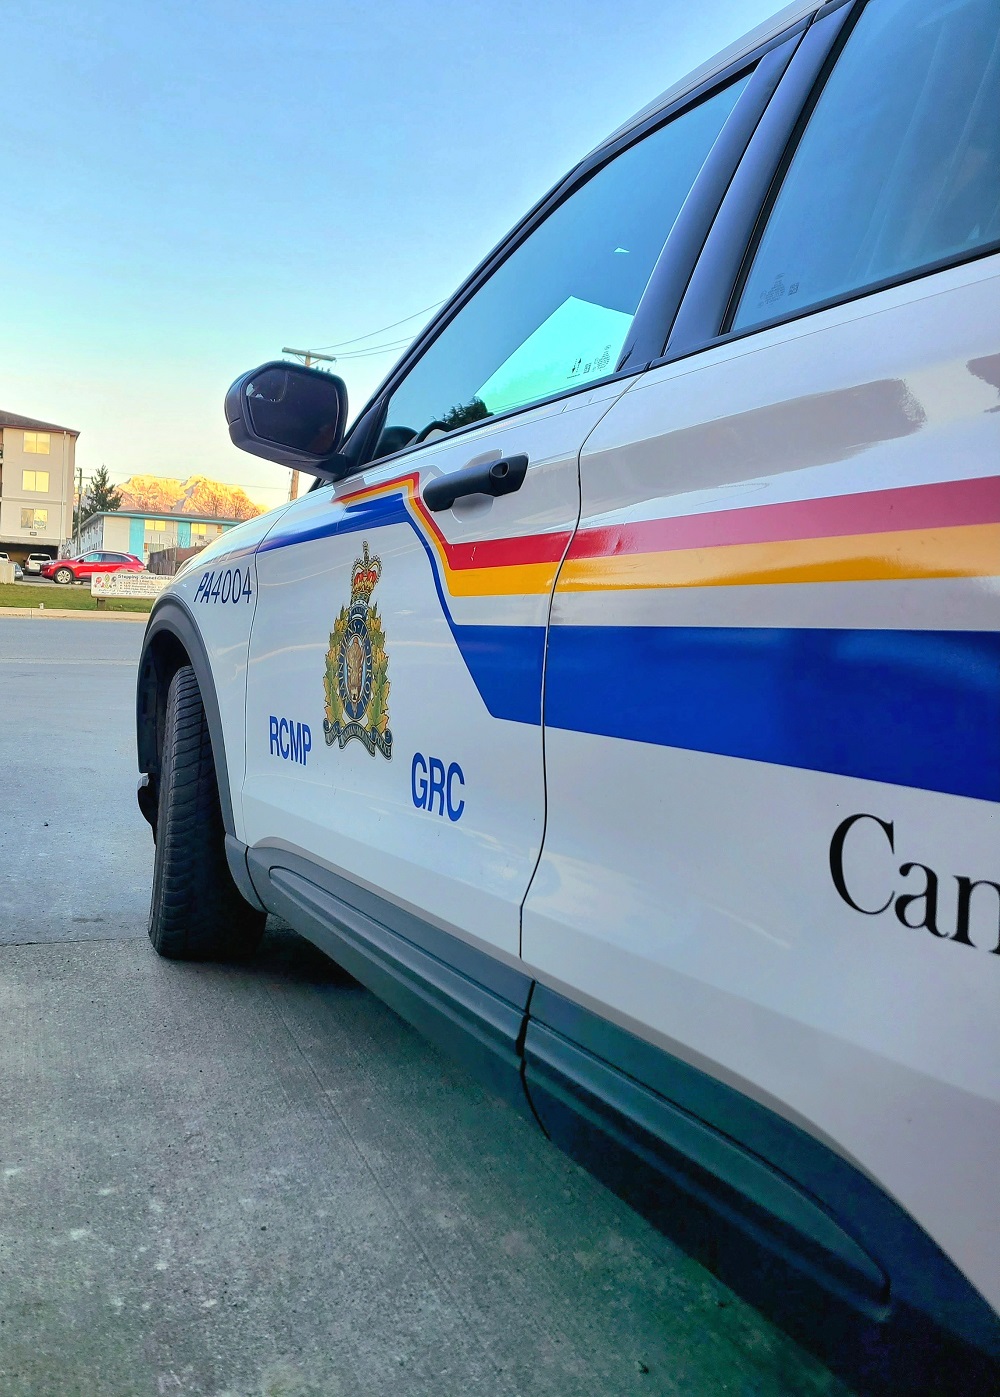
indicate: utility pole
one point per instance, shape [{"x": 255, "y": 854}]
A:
[
  {"x": 79, "y": 505},
  {"x": 308, "y": 356}
]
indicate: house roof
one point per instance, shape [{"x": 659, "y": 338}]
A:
[
  {"x": 165, "y": 515},
  {"x": 31, "y": 424}
]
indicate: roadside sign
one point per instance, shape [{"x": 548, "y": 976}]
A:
[{"x": 128, "y": 584}]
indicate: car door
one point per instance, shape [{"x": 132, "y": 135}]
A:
[
  {"x": 395, "y": 673},
  {"x": 88, "y": 564},
  {"x": 773, "y": 688}
]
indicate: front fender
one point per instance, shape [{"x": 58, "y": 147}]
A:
[{"x": 172, "y": 639}]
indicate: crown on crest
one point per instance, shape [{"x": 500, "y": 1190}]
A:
[{"x": 364, "y": 575}]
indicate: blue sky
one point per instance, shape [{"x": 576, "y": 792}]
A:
[{"x": 188, "y": 187}]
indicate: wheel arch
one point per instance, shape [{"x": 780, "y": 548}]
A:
[{"x": 172, "y": 640}]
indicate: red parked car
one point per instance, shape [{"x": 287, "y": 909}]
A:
[{"x": 83, "y": 568}]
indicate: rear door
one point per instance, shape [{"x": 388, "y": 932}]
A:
[
  {"x": 773, "y": 686},
  {"x": 395, "y": 687}
]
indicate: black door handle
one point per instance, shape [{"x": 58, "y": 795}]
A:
[{"x": 501, "y": 477}]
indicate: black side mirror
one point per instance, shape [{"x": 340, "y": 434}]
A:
[{"x": 290, "y": 414}]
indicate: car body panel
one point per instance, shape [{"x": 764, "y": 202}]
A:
[{"x": 224, "y": 629}]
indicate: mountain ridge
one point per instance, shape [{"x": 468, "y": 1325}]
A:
[{"x": 198, "y": 494}]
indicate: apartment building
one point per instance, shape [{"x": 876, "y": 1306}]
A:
[
  {"x": 37, "y": 467},
  {"x": 132, "y": 531}
]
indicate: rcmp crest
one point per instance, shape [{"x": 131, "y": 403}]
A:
[{"x": 356, "y": 681}]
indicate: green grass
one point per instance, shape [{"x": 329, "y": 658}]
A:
[{"x": 71, "y": 598}]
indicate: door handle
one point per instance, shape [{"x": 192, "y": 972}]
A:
[{"x": 501, "y": 477}]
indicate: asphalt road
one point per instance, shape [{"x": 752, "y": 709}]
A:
[{"x": 258, "y": 1181}]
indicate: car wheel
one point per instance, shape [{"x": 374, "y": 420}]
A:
[
  {"x": 196, "y": 910},
  {"x": 63, "y": 575}
]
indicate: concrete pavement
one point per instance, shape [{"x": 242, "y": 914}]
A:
[{"x": 258, "y": 1180}]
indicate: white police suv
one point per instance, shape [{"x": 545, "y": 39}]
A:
[{"x": 623, "y": 702}]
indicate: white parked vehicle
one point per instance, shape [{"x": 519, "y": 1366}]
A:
[{"x": 623, "y": 703}]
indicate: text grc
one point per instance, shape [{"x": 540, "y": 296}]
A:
[{"x": 430, "y": 782}]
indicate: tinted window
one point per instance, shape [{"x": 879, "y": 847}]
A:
[
  {"x": 555, "y": 314},
  {"x": 899, "y": 165}
]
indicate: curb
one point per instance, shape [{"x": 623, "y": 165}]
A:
[{"x": 28, "y": 613}]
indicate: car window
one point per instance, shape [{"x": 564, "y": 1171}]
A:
[
  {"x": 91, "y": 558},
  {"x": 899, "y": 165},
  {"x": 555, "y": 314}
]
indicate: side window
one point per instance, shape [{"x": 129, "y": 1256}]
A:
[
  {"x": 899, "y": 165},
  {"x": 555, "y": 314}
]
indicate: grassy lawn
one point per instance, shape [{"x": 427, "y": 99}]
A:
[{"x": 72, "y": 598}]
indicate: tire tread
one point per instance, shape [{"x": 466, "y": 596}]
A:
[{"x": 196, "y": 910}]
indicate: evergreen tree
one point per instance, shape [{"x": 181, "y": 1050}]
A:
[
  {"x": 103, "y": 497},
  {"x": 100, "y": 497}
]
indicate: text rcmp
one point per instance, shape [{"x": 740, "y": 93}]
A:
[{"x": 292, "y": 741}]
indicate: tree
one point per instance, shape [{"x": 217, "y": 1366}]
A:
[
  {"x": 463, "y": 413},
  {"x": 101, "y": 497},
  {"x": 244, "y": 507}
]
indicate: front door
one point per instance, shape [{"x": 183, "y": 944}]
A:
[
  {"x": 394, "y": 697},
  {"x": 88, "y": 565},
  {"x": 395, "y": 685}
]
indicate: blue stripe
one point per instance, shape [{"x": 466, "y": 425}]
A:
[
  {"x": 506, "y": 664},
  {"x": 914, "y": 708},
  {"x": 325, "y": 528}
]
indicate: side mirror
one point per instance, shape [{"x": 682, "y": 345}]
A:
[{"x": 292, "y": 415}]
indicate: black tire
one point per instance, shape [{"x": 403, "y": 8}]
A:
[
  {"x": 63, "y": 575},
  {"x": 196, "y": 911}
]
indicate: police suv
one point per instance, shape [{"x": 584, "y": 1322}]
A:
[{"x": 622, "y": 704}]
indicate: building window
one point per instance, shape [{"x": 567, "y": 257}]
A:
[
  {"x": 36, "y": 443},
  {"x": 37, "y": 481},
  {"x": 34, "y": 518},
  {"x": 199, "y": 530}
]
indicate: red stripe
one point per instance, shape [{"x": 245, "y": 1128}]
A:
[
  {"x": 939, "y": 506},
  {"x": 496, "y": 552},
  {"x": 485, "y": 553},
  {"x": 945, "y": 504}
]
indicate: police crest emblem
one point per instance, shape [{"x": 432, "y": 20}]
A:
[{"x": 356, "y": 681}]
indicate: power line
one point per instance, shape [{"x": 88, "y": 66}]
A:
[
  {"x": 372, "y": 333},
  {"x": 375, "y": 349}
]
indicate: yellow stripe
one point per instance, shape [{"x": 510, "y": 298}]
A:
[
  {"x": 523, "y": 579},
  {"x": 971, "y": 550}
]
